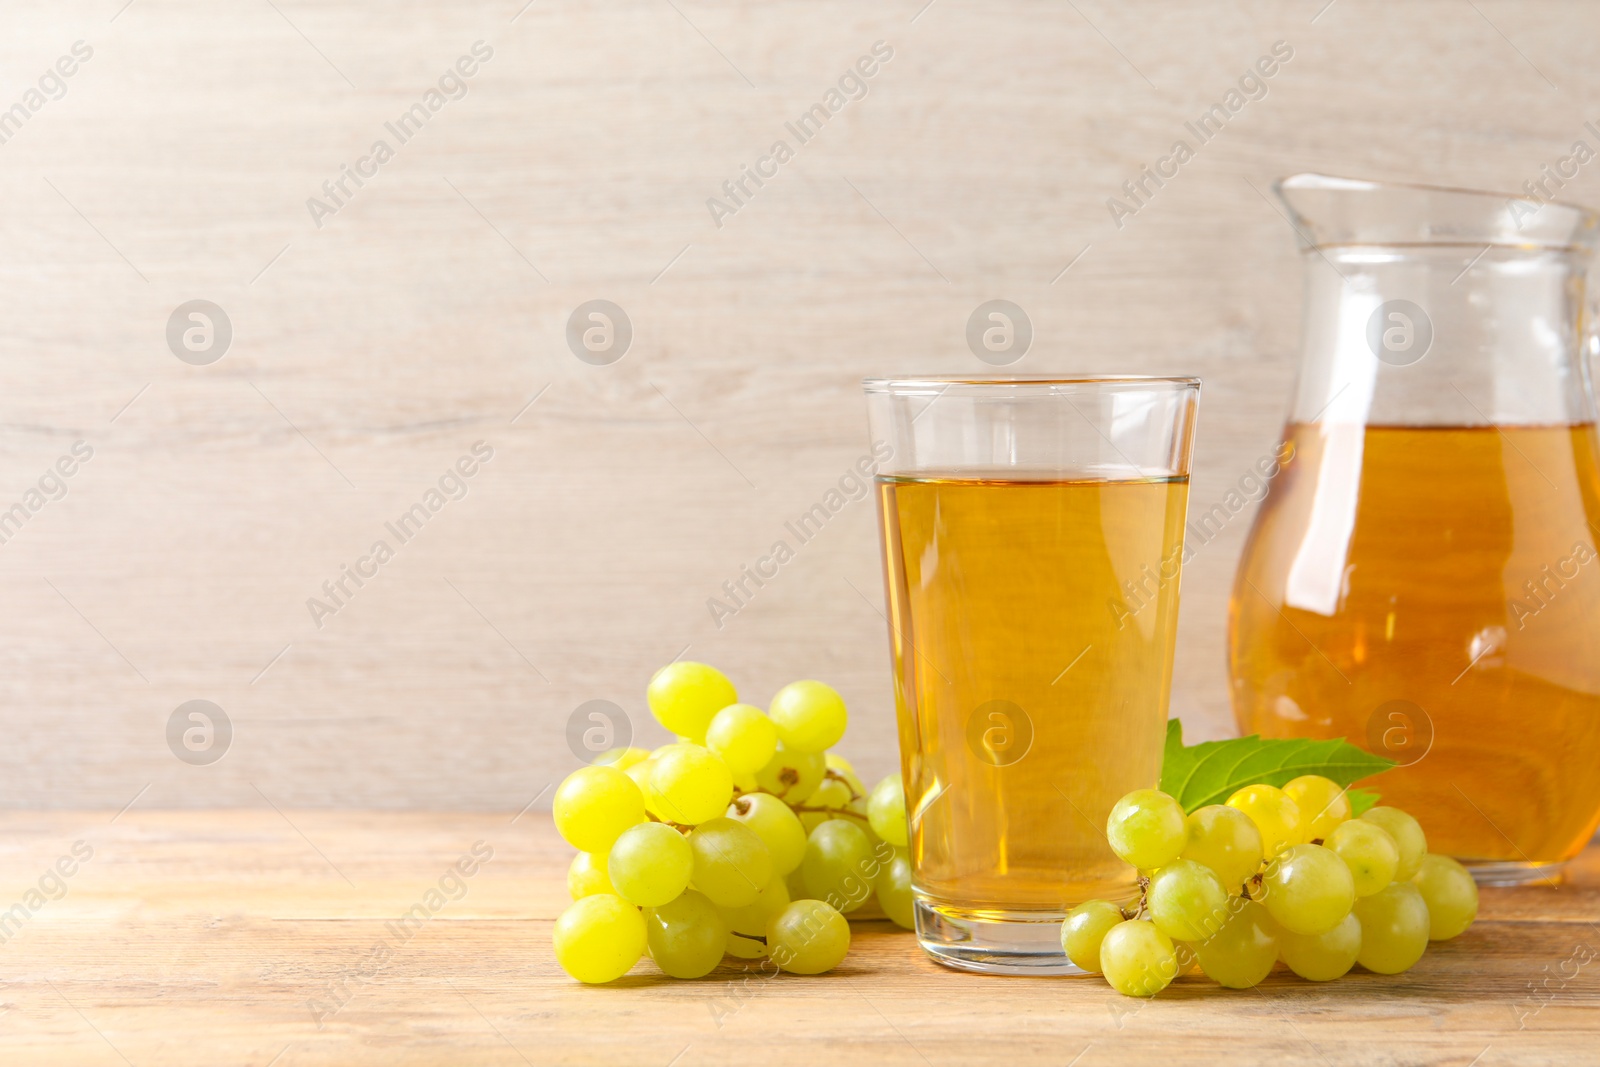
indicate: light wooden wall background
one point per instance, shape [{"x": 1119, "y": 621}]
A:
[{"x": 372, "y": 352}]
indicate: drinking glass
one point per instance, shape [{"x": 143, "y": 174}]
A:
[{"x": 1032, "y": 535}]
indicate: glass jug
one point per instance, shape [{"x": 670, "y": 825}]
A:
[{"x": 1422, "y": 576}]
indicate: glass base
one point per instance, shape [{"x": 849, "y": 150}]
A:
[
  {"x": 994, "y": 942},
  {"x": 1508, "y": 872}
]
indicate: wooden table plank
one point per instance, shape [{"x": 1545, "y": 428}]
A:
[{"x": 240, "y": 937}]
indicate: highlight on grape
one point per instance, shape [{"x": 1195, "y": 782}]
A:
[
  {"x": 1291, "y": 874},
  {"x": 745, "y": 838}
]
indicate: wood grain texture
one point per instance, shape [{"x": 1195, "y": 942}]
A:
[
  {"x": 209, "y": 937},
  {"x": 370, "y": 353}
]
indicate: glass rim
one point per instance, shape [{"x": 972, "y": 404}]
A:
[{"x": 997, "y": 383}]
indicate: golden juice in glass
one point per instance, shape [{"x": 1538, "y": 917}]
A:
[
  {"x": 1032, "y": 538},
  {"x": 1433, "y": 594},
  {"x": 1032, "y": 624}
]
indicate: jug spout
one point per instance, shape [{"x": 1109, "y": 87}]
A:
[{"x": 1331, "y": 211}]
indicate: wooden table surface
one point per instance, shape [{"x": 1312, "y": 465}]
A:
[{"x": 218, "y": 938}]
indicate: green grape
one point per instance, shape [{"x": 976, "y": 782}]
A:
[
  {"x": 1147, "y": 829},
  {"x": 813, "y": 819},
  {"x": 1308, "y": 889},
  {"x": 1225, "y": 840},
  {"x": 692, "y": 784},
  {"x": 894, "y": 890},
  {"x": 652, "y": 798},
  {"x": 745, "y": 783},
  {"x": 796, "y": 881},
  {"x": 1275, "y": 815},
  {"x": 743, "y": 736},
  {"x": 1137, "y": 958},
  {"x": 840, "y": 765},
  {"x": 860, "y": 808},
  {"x": 684, "y": 696},
  {"x": 1408, "y": 838},
  {"x": 597, "y": 939},
  {"x": 834, "y": 794},
  {"x": 886, "y": 810},
  {"x": 1242, "y": 953},
  {"x": 1186, "y": 957},
  {"x": 587, "y": 876},
  {"x": 594, "y": 805},
  {"x": 1083, "y": 930},
  {"x": 1394, "y": 928},
  {"x": 776, "y": 824},
  {"x": 752, "y": 919},
  {"x": 832, "y": 797},
  {"x": 810, "y": 716},
  {"x": 1369, "y": 852},
  {"x": 745, "y": 948},
  {"x": 730, "y": 862},
  {"x": 1322, "y": 802},
  {"x": 839, "y": 866},
  {"x": 794, "y": 776},
  {"x": 1187, "y": 901},
  {"x": 881, "y": 849},
  {"x": 650, "y": 864},
  {"x": 1450, "y": 893},
  {"x": 687, "y": 936},
  {"x": 640, "y": 775},
  {"x": 622, "y": 758},
  {"x": 808, "y": 937},
  {"x": 1322, "y": 957}
]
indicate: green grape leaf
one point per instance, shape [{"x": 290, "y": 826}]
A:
[
  {"x": 1210, "y": 772},
  {"x": 1361, "y": 801}
]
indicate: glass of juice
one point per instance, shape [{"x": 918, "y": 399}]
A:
[{"x": 1032, "y": 535}]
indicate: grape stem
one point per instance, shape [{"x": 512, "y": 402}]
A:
[
  {"x": 802, "y": 809},
  {"x": 830, "y": 773},
  {"x": 1144, "y": 900},
  {"x": 837, "y": 777}
]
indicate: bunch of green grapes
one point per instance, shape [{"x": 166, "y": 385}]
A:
[
  {"x": 745, "y": 837},
  {"x": 1272, "y": 875}
]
